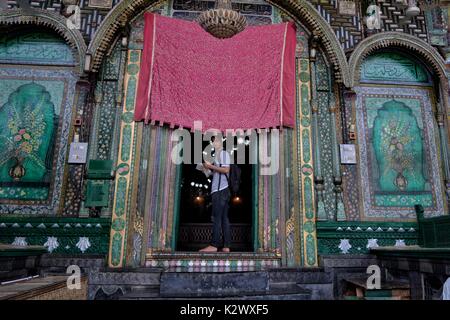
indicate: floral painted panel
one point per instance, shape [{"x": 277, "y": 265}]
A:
[
  {"x": 398, "y": 145},
  {"x": 398, "y": 153},
  {"x": 35, "y": 114},
  {"x": 27, "y": 129}
]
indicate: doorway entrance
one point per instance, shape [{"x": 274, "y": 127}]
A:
[{"x": 195, "y": 222}]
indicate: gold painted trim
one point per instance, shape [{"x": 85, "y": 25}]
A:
[{"x": 129, "y": 162}]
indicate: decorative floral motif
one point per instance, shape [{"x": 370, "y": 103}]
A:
[
  {"x": 25, "y": 142},
  {"x": 83, "y": 244},
  {"x": 51, "y": 244},
  {"x": 61, "y": 86},
  {"x": 28, "y": 131},
  {"x": 345, "y": 245},
  {"x": 372, "y": 243},
  {"x": 398, "y": 146},
  {"x": 20, "y": 241},
  {"x": 400, "y": 243},
  {"x": 404, "y": 150}
]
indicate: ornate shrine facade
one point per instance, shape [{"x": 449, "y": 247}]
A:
[{"x": 370, "y": 139}]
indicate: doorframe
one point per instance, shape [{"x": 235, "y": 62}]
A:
[{"x": 254, "y": 199}]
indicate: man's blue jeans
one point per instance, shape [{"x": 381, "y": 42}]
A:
[{"x": 220, "y": 205}]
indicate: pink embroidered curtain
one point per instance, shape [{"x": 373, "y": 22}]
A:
[{"x": 245, "y": 82}]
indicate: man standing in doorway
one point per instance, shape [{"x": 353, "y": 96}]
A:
[{"x": 220, "y": 194}]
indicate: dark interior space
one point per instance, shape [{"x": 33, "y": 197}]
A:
[{"x": 195, "y": 224}]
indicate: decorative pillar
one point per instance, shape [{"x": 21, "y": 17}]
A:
[
  {"x": 318, "y": 180},
  {"x": 337, "y": 177},
  {"x": 349, "y": 172},
  {"x": 126, "y": 164},
  {"x": 306, "y": 174},
  {"x": 442, "y": 123},
  {"x": 72, "y": 203},
  {"x": 444, "y": 149}
]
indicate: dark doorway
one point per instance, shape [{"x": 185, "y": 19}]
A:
[{"x": 195, "y": 225}]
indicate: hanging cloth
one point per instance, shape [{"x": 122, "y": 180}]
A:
[{"x": 245, "y": 82}]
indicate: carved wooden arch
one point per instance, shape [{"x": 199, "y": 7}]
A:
[
  {"x": 305, "y": 13},
  {"x": 301, "y": 10},
  {"x": 430, "y": 55},
  {"x": 49, "y": 19}
]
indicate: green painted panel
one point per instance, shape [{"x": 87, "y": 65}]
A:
[
  {"x": 330, "y": 234},
  {"x": 127, "y": 117},
  {"x": 36, "y": 48},
  {"x": 131, "y": 89},
  {"x": 310, "y": 250},
  {"x": 126, "y": 143},
  {"x": 116, "y": 249},
  {"x": 304, "y": 76},
  {"x": 134, "y": 57},
  {"x": 99, "y": 169},
  {"x": 306, "y": 146},
  {"x": 398, "y": 147},
  {"x": 120, "y": 196},
  {"x": 27, "y": 130},
  {"x": 23, "y": 193},
  {"x": 308, "y": 189},
  {"x": 97, "y": 193},
  {"x": 308, "y": 226},
  {"x": 118, "y": 224},
  {"x": 304, "y": 64},
  {"x": 304, "y": 93},
  {"x": 58, "y": 235},
  {"x": 394, "y": 68},
  {"x": 398, "y": 168},
  {"x": 133, "y": 69}
]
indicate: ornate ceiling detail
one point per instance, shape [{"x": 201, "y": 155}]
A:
[
  {"x": 430, "y": 55},
  {"x": 54, "y": 21}
]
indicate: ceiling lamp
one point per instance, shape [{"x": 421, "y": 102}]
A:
[{"x": 222, "y": 22}]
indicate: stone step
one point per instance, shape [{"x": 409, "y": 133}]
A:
[
  {"x": 276, "y": 284},
  {"x": 315, "y": 280},
  {"x": 284, "y": 287},
  {"x": 184, "y": 284},
  {"x": 300, "y": 275},
  {"x": 117, "y": 283},
  {"x": 57, "y": 262},
  {"x": 148, "y": 289},
  {"x": 129, "y": 277},
  {"x": 295, "y": 296},
  {"x": 141, "y": 293},
  {"x": 279, "y": 291}
]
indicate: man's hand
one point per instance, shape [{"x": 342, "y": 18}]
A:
[
  {"x": 208, "y": 165},
  {"x": 215, "y": 168}
]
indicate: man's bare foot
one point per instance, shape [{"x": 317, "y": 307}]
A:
[
  {"x": 209, "y": 249},
  {"x": 225, "y": 249}
]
